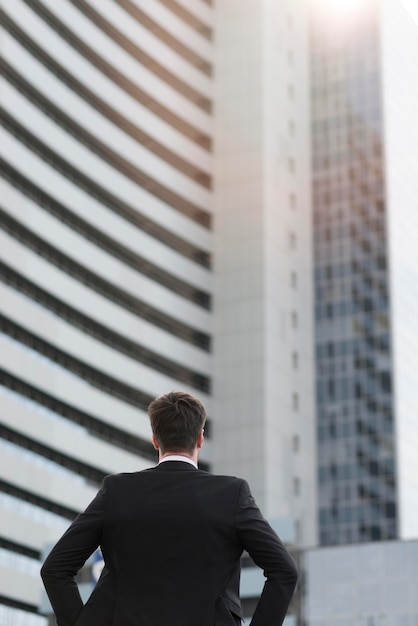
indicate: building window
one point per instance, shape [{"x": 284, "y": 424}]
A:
[
  {"x": 292, "y": 200},
  {"x": 293, "y": 280},
  {"x": 295, "y": 360},
  {"x": 291, "y": 128},
  {"x": 292, "y": 240},
  {"x": 294, "y": 319},
  {"x": 291, "y": 165},
  {"x": 296, "y": 486},
  {"x": 296, "y": 443},
  {"x": 295, "y": 401}
]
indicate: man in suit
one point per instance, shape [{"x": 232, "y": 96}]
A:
[{"x": 171, "y": 537}]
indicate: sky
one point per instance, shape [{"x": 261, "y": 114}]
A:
[
  {"x": 412, "y": 8},
  {"x": 351, "y": 6}
]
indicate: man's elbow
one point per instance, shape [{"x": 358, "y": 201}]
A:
[
  {"x": 45, "y": 572},
  {"x": 287, "y": 574},
  {"x": 48, "y": 572},
  {"x": 293, "y": 574}
]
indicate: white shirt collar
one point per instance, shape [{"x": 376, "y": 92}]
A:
[{"x": 178, "y": 457}]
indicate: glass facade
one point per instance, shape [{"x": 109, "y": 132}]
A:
[{"x": 355, "y": 422}]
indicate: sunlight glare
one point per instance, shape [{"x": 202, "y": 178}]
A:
[
  {"x": 412, "y": 7},
  {"x": 342, "y": 6}
]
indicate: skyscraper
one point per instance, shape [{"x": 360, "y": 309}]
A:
[
  {"x": 263, "y": 396},
  {"x": 263, "y": 318},
  {"x": 105, "y": 246},
  {"x": 365, "y": 224}
]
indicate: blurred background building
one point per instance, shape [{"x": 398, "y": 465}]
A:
[
  {"x": 177, "y": 178},
  {"x": 363, "y": 584},
  {"x": 365, "y": 185}
]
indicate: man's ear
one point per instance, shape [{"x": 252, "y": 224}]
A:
[
  {"x": 155, "y": 443},
  {"x": 201, "y": 438}
]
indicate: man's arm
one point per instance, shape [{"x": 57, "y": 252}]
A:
[
  {"x": 269, "y": 553},
  {"x": 68, "y": 556}
]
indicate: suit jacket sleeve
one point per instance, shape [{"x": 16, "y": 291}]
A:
[
  {"x": 68, "y": 556},
  {"x": 269, "y": 553}
]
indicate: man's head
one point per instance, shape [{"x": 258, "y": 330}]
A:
[{"x": 177, "y": 420}]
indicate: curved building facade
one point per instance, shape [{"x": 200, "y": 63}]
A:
[{"x": 105, "y": 242}]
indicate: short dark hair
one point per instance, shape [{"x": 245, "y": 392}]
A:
[{"x": 176, "y": 421}]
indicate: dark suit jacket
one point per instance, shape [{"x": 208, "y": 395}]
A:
[{"x": 171, "y": 538}]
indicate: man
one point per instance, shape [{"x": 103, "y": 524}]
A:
[{"x": 171, "y": 537}]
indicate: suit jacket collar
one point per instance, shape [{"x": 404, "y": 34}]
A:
[{"x": 169, "y": 466}]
